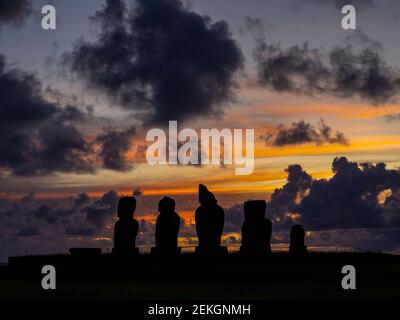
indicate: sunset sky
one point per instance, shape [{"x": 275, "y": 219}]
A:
[{"x": 283, "y": 67}]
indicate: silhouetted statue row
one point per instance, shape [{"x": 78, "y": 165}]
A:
[{"x": 209, "y": 217}]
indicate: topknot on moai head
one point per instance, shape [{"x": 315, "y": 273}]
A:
[
  {"x": 254, "y": 209},
  {"x": 166, "y": 204},
  {"x": 126, "y": 207},
  {"x": 205, "y": 196}
]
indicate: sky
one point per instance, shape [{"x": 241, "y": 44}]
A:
[{"x": 76, "y": 104}]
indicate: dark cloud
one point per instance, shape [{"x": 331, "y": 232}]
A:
[
  {"x": 141, "y": 151},
  {"x": 284, "y": 201},
  {"x": 42, "y": 137},
  {"x": 346, "y": 74},
  {"x": 160, "y": 60},
  {"x": 14, "y": 11},
  {"x": 360, "y": 38},
  {"x": 302, "y": 132},
  {"x": 357, "y": 196},
  {"x": 56, "y": 225},
  {"x": 80, "y": 231},
  {"x": 28, "y": 232},
  {"x": 68, "y": 216},
  {"x": 351, "y": 198},
  {"x": 114, "y": 145},
  {"x": 102, "y": 209},
  {"x": 234, "y": 217},
  {"x": 137, "y": 192},
  {"x": 365, "y": 75},
  {"x": 339, "y": 4},
  {"x": 255, "y": 27},
  {"x": 81, "y": 199},
  {"x": 392, "y": 117},
  {"x": 37, "y": 137},
  {"x": 46, "y": 213}
]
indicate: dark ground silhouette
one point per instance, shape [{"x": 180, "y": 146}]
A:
[{"x": 189, "y": 276}]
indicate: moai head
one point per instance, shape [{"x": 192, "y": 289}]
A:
[
  {"x": 254, "y": 209},
  {"x": 166, "y": 204},
  {"x": 205, "y": 196},
  {"x": 297, "y": 234},
  {"x": 126, "y": 208}
]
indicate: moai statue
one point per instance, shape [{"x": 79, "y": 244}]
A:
[
  {"x": 209, "y": 223},
  {"x": 297, "y": 235},
  {"x": 126, "y": 228},
  {"x": 256, "y": 229},
  {"x": 167, "y": 228}
]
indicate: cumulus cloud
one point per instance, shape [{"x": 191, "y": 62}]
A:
[
  {"x": 14, "y": 11},
  {"x": 284, "y": 201},
  {"x": 302, "y": 132},
  {"x": 357, "y": 196},
  {"x": 53, "y": 226},
  {"x": 159, "y": 60},
  {"x": 102, "y": 209},
  {"x": 76, "y": 216},
  {"x": 344, "y": 73},
  {"x": 81, "y": 199},
  {"x": 28, "y": 232},
  {"x": 37, "y": 136},
  {"x": 234, "y": 217}
]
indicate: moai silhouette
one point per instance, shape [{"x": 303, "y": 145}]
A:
[
  {"x": 297, "y": 235},
  {"x": 209, "y": 223},
  {"x": 167, "y": 228},
  {"x": 126, "y": 228},
  {"x": 256, "y": 229}
]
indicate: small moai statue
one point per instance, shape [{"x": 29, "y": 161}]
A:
[
  {"x": 210, "y": 218},
  {"x": 167, "y": 228},
  {"x": 256, "y": 229},
  {"x": 126, "y": 228},
  {"x": 297, "y": 235}
]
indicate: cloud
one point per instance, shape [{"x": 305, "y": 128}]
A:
[
  {"x": 159, "y": 60},
  {"x": 64, "y": 217},
  {"x": 14, "y": 11},
  {"x": 347, "y": 74},
  {"x": 392, "y": 117},
  {"x": 357, "y": 196},
  {"x": 102, "y": 209},
  {"x": 234, "y": 217},
  {"x": 114, "y": 145},
  {"x": 81, "y": 199},
  {"x": 80, "y": 231},
  {"x": 137, "y": 192},
  {"x": 362, "y": 39},
  {"x": 37, "y": 137},
  {"x": 301, "y": 132},
  {"x": 46, "y": 213},
  {"x": 282, "y": 207},
  {"x": 28, "y": 232},
  {"x": 53, "y": 226}
]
